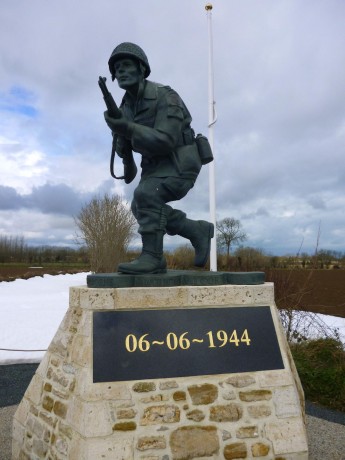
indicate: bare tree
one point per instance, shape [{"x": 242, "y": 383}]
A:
[
  {"x": 229, "y": 233},
  {"x": 106, "y": 225}
]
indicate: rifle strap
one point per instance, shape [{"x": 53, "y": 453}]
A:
[{"x": 112, "y": 158}]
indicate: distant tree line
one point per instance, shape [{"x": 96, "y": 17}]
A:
[
  {"x": 106, "y": 227},
  {"x": 14, "y": 249}
]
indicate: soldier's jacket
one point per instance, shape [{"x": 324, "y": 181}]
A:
[{"x": 159, "y": 129}]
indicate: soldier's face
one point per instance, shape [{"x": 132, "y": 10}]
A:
[{"x": 127, "y": 73}]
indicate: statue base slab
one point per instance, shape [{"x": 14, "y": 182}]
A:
[
  {"x": 67, "y": 414},
  {"x": 174, "y": 278}
]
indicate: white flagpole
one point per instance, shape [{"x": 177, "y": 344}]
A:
[{"x": 211, "y": 121}]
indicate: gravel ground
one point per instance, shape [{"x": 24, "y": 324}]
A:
[{"x": 326, "y": 439}]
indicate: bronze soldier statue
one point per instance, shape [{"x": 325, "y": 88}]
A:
[{"x": 155, "y": 122}]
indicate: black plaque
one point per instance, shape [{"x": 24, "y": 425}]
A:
[{"x": 149, "y": 344}]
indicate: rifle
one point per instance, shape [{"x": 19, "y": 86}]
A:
[
  {"x": 113, "y": 109},
  {"x": 114, "y": 112}
]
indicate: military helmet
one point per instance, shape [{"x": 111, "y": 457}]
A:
[{"x": 130, "y": 50}]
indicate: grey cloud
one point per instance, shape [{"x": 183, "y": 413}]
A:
[
  {"x": 317, "y": 202},
  {"x": 10, "y": 199},
  {"x": 49, "y": 199},
  {"x": 260, "y": 212},
  {"x": 55, "y": 199}
]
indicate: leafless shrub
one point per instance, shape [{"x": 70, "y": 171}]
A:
[
  {"x": 182, "y": 258},
  {"x": 106, "y": 227}
]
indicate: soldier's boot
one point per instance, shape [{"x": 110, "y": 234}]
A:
[
  {"x": 151, "y": 259},
  {"x": 200, "y": 233}
]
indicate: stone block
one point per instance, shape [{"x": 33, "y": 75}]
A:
[
  {"x": 154, "y": 398},
  {"x": 90, "y": 391},
  {"x": 43, "y": 366},
  {"x": 152, "y": 457},
  {"x": 16, "y": 448},
  {"x": 259, "y": 411},
  {"x": 65, "y": 430},
  {"x": 194, "y": 441},
  {"x": 40, "y": 448},
  {"x": 33, "y": 410},
  {"x": 60, "y": 409},
  {"x": 287, "y": 436},
  {"x": 179, "y": 396},
  {"x": 274, "y": 378},
  {"x": 255, "y": 395},
  {"x": 196, "y": 415},
  {"x": 286, "y": 402},
  {"x": 229, "y": 395},
  {"x": 55, "y": 361},
  {"x": 144, "y": 387},
  {"x": 49, "y": 419},
  {"x": 125, "y": 426},
  {"x": 38, "y": 428},
  {"x": 35, "y": 390},
  {"x": 89, "y": 419},
  {"x": 226, "y": 435},
  {"x": 240, "y": 381},
  {"x": 247, "y": 432},
  {"x": 48, "y": 403},
  {"x": 260, "y": 449},
  {"x": 263, "y": 294},
  {"x": 61, "y": 343},
  {"x": 22, "y": 411},
  {"x": 151, "y": 442},
  {"x": 62, "y": 446},
  {"x": 151, "y": 298},
  {"x": 203, "y": 394},
  {"x": 227, "y": 413},
  {"x": 74, "y": 297},
  {"x": 160, "y": 414},
  {"x": 85, "y": 325},
  {"x": 18, "y": 432},
  {"x": 97, "y": 299},
  {"x": 62, "y": 394},
  {"x": 235, "y": 450},
  {"x": 82, "y": 350},
  {"x": 110, "y": 448},
  {"x": 71, "y": 320},
  {"x": 47, "y": 387},
  {"x": 168, "y": 385},
  {"x": 221, "y": 295},
  {"x": 125, "y": 413}
]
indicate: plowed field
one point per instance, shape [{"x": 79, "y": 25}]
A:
[
  {"x": 10, "y": 273},
  {"x": 319, "y": 291}
]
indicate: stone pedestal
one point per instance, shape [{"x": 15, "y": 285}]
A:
[{"x": 64, "y": 415}]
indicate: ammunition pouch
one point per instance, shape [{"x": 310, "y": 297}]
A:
[{"x": 204, "y": 149}]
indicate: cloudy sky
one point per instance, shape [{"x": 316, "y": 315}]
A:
[{"x": 279, "y": 73}]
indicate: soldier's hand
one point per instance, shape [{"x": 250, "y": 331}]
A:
[{"x": 117, "y": 125}]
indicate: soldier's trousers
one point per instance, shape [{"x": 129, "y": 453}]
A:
[{"x": 150, "y": 208}]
